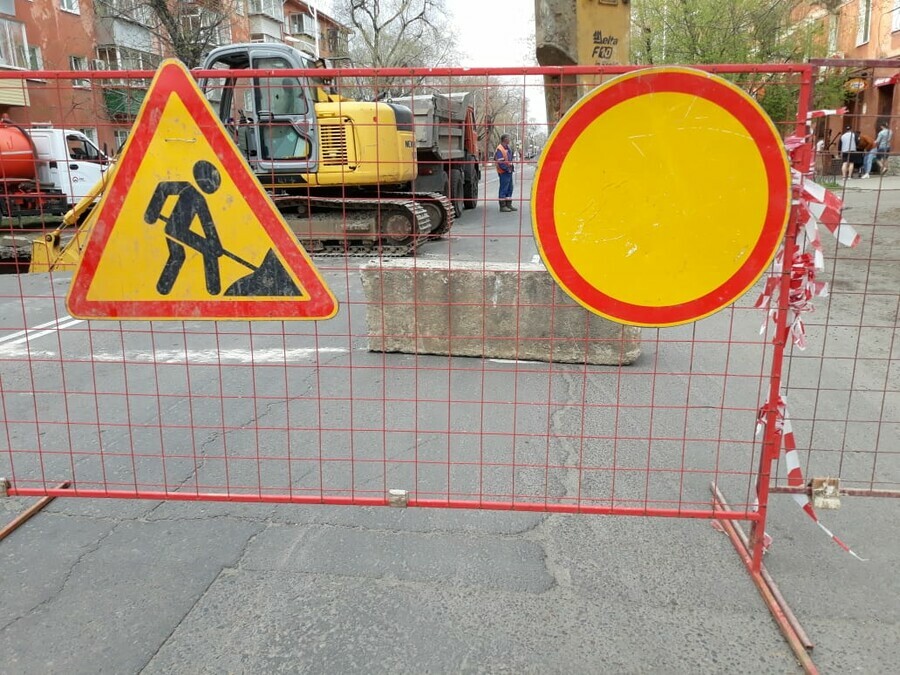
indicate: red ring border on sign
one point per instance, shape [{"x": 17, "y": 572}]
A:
[{"x": 623, "y": 88}]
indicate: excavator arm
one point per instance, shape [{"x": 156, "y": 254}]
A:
[{"x": 49, "y": 253}]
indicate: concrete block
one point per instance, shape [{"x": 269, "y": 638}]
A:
[{"x": 492, "y": 310}]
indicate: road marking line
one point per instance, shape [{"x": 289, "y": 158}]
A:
[
  {"x": 34, "y": 336},
  {"x": 36, "y": 332},
  {"x": 20, "y": 333},
  {"x": 190, "y": 357}
]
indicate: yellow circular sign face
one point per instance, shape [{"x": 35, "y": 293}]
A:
[{"x": 661, "y": 197}]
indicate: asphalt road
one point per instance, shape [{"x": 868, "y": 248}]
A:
[{"x": 145, "y": 586}]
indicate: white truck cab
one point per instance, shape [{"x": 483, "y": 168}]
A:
[{"x": 68, "y": 160}]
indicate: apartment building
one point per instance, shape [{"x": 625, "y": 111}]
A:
[
  {"x": 115, "y": 35},
  {"x": 300, "y": 24},
  {"x": 313, "y": 31},
  {"x": 860, "y": 29}
]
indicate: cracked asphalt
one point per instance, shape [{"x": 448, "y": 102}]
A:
[{"x": 116, "y": 586}]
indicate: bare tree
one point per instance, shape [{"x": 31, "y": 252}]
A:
[
  {"x": 500, "y": 107},
  {"x": 185, "y": 30},
  {"x": 398, "y": 34}
]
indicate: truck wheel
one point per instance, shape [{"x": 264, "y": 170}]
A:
[
  {"x": 456, "y": 197},
  {"x": 470, "y": 192}
]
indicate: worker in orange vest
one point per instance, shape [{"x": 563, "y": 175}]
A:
[{"x": 503, "y": 158}]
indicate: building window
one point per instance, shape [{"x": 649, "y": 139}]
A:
[
  {"x": 13, "y": 45},
  {"x": 91, "y": 133},
  {"x": 35, "y": 59},
  {"x": 111, "y": 57},
  {"x": 273, "y": 9},
  {"x": 8, "y": 7},
  {"x": 264, "y": 37},
  {"x": 895, "y": 16},
  {"x": 131, "y": 10},
  {"x": 124, "y": 58},
  {"x": 301, "y": 24},
  {"x": 69, "y": 5},
  {"x": 79, "y": 63},
  {"x": 863, "y": 21},
  {"x": 338, "y": 43},
  {"x": 212, "y": 27},
  {"x": 121, "y": 135},
  {"x": 834, "y": 31}
]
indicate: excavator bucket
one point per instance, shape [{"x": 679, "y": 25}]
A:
[{"x": 49, "y": 254}]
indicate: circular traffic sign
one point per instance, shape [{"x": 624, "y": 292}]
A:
[{"x": 661, "y": 197}]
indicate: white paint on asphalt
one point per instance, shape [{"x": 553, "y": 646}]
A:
[
  {"x": 191, "y": 356},
  {"x": 23, "y": 336}
]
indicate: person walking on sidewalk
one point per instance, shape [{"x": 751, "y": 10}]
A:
[
  {"x": 848, "y": 149},
  {"x": 880, "y": 150},
  {"x": 505, "y": 169}
]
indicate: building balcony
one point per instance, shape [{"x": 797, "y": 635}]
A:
[
  {"x": 123, "y": 102},
  {"x": 265, "y": 25}
]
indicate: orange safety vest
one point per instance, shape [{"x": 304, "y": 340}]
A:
[{"x": 506, "y": 158}]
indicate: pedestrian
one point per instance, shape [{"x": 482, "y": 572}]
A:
[
  {"x": 505, "y": 169},
  {"x": 880, "y": 150},
  {"x": 864, "y": 143},
  {"x": 848, "y": 148}
]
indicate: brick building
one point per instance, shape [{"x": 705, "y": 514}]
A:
[
  {"x": 853, "y": 30},
  {"x": 111, "y": 35}
]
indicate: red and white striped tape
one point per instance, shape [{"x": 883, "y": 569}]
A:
[
  {"x": 813, "y": 114},
  {"x": 813, "y": 206},
  {"x": 795, "y": 473}
]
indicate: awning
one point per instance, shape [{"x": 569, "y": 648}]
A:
[{"x": 884, "y": 81}]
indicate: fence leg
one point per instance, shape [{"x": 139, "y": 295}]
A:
[
  {"x": 28, "y": 513},
  {"x": 788, "y": 624}
]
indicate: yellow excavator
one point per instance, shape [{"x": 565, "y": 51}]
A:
[{"x": 342, "y": 172}]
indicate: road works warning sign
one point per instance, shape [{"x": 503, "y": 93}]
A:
[
  {"x": 661, "y": 197},
  {"x": 184, "y": 229}
]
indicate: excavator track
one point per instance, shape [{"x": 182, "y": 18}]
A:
[
  {"x": 351, "y": 222},
  {"x": 433, "y": 201}
]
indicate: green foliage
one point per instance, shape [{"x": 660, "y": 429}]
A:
[
  {"x": 713, "y": 31},
  {"x": 737, "y": 31}
]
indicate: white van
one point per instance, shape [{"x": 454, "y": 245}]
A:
[{"x": 68, "y": 160}]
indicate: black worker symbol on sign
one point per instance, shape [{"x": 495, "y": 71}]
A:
[{"x": 267, "y": 279}]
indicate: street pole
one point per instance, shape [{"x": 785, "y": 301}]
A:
[{"x": 578, "y": 32}]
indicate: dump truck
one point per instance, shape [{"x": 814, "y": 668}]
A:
[
  {"x": 446, "y": 146},
  {"x": 45, "y": 170}
]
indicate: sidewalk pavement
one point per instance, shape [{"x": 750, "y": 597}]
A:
[{"x": 874, "y": 183}]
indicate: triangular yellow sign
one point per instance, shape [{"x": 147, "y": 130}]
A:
[{"x": 185, "y": 230}]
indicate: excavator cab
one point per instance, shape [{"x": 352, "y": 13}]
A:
[{"x": 272, "y": 119}]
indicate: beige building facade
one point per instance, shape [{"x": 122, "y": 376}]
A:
[{"x": 863, "y": 36}]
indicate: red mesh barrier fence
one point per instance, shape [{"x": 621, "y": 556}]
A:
[{"x": 455, "y": 372}]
